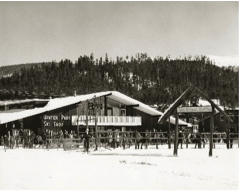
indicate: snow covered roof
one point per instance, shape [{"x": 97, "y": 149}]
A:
[
  {"x": 206, "y": 103},
  {"x": 10, "y": 102},
  {"x": 65, "y": 101},
  {"x": 12, "y": 115},
  {"x": 16, "y": 114},
  {"x": 117, "y": 96}
]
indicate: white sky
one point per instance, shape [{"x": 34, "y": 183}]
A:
[{"x": 46, "y": 31}]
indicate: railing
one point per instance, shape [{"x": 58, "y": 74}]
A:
[
  {"x": 108, "y": 120},
  {"x": 126, "y": 139}
]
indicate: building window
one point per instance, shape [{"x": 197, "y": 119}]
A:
[
  {"x": 123, "y": 112},
  {"x": 221, "y": 118}
]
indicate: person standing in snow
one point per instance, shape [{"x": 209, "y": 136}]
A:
[
  {"x": 110, "y": 140},
  {"x": 87, "y": 137},
  {"x": 231, "y": 137},
  {"x": 198, "y": 140},
  {"x": 180, "y": 138},
  {"x": 117, "y": 140},
  {"x": 137, "y": 139},
  {"x": 124, "y": 139}
]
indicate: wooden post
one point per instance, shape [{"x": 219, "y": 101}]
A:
[
  {"x": 228, "y": 136},
  {"x": 211, "y": 132},
  {"x": 105, "y": 104},
  {"x": 187, "y": 140},
  {"x": 199, "y": 141},
  {"x": 156, "y": 133},
  {"x": 175, "y": 152},
  {"x": 169, "y": 134}
]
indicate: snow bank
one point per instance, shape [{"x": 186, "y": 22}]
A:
[{"x": 120, "y": 169}]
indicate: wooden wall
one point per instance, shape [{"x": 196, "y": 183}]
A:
[
  {"x": 219, "y": 126},
  {"x": 149, "y": 122}
]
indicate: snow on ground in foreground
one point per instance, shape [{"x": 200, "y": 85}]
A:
[{"x": 120, "y": 169}]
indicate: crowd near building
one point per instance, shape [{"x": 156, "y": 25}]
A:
[{"x": 102, "y": 112}]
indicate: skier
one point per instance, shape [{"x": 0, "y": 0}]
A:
[{"x": 87, "y": 137}]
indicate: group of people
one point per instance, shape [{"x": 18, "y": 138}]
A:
[
  {"x": 116, "y": 139},
  {"x": 188, "y": 138},
  {"x": 113, "y": 139},
  {"x": 200, "y": 138},
  {"x": 25, "y": 137},
  {"x": 28, "y": 139}
]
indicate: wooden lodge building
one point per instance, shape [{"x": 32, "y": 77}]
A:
[
  {"x": 220, "y": 122},
  {"x": 223, "y": 119},
  {"x": 112, "y": 109}
]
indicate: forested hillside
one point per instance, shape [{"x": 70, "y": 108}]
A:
[
  {"x": 151, "y": 81},
  {"x": 9, "y": 70}
]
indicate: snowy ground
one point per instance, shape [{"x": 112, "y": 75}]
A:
[{"x": 120, "y": 169}]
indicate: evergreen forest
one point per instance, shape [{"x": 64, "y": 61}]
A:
[{"x": 152, "y": 81}]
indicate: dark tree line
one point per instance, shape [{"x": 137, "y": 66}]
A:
[{"x": 151, "y": 81}]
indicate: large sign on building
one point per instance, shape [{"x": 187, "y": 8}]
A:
[
  {"x": 55, "y": 120},
  {"x": 204, "y": 109}
]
